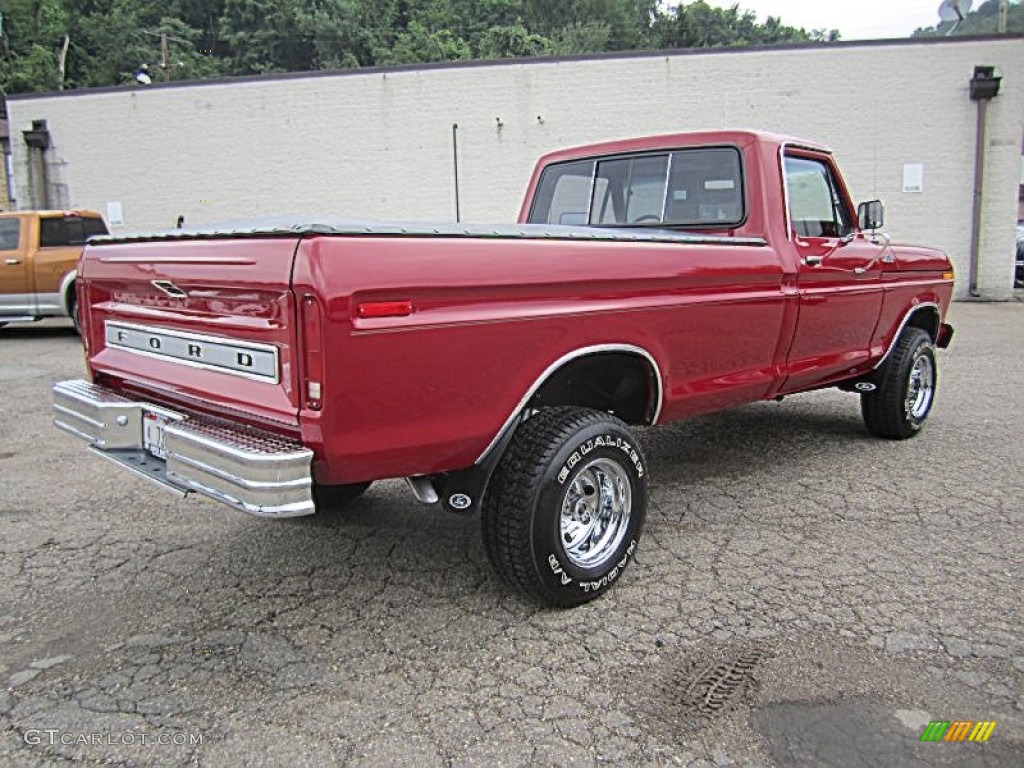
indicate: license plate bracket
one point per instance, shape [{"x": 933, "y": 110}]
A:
[{"x": 153, "y": 424}]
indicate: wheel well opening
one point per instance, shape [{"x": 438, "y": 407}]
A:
[
  {"x": 617, "y": 382},
  {"x": 927, "y": 319},
  {"x": 69, "y": 296}
]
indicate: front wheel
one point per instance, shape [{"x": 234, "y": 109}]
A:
[
  {"x": 906, "y": 390},
  {"x": 565, "y": 508}
]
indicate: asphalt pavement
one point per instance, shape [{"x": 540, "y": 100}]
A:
[{"x": 804, "y": 594}]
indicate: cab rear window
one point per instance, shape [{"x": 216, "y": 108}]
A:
[
  {"x": 69, "y": 230},
  {"x": 701, "y": 187}
]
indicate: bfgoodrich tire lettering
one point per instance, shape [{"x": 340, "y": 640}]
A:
[
  {"x": 565, "y": 508},
  {"x": 898, "y": 408}
]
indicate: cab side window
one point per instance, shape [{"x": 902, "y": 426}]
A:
[
  {"x": 62, "y": 231},
  {"x": 10, "y": 234},
  {"x": 93, "y": 226},
  {"x": 815, "y": 206}
]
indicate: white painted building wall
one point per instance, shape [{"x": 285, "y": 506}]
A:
[{"x": 378, "y": 144}]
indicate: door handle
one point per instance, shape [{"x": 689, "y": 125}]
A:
[
  {"x": 12, "y": 262},
  {"x": 813, "y": 261}
]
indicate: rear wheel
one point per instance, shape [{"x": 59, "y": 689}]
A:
[
  {"x": 73, "y": 311},
  {"x": 565, "y": 508},
  {"x": 906, "y": 391}
]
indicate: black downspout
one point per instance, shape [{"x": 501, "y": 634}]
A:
[
  {"x": 984, "y": 87},
  {"x": 455, "y": 162}
]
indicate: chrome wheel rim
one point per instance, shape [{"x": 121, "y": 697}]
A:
[
  {"x": 920, "y": 388},
  {"x": 595, "y": 513}
]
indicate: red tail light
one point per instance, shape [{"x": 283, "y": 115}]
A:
[
  {"x": 313, "y": 355},
  {"x": 386, "y": 309}
]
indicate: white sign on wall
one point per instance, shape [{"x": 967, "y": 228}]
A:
[
  {"x": 913, "y": 177},
  {"x": 115, "y": 214}
]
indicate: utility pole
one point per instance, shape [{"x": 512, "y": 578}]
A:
[
  {"x": 62, "y": 59},
  {"x": 1004, "y": 15},
  {"x": 163, "y": 57}
]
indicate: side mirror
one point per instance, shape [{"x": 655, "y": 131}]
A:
[{"x": 870, "y": 215}]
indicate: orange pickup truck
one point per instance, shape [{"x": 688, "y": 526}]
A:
[{"x": 39, "y": 253}]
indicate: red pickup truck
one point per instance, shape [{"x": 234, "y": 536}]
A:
[{"x": 282, "y": 367}]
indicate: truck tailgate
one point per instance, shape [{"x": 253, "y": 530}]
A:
[{"x": 202, "y": 324}]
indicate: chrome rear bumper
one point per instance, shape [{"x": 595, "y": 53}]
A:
[{"x": 249, "y": 469}]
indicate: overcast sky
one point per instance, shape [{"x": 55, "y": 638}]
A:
[{"x": 855, "y": 19}]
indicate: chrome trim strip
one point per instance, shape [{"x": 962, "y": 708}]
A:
[
  {"x": 906, "y": 319},
  {"x": 785, "y": 189},
  {"x": 664, "y": 192},
  {"x": 206, "y": 260},
  {"x": 581, "y": 352},
  {"x": 233, "y": 344},
  {"x": 590, "y": 193}
]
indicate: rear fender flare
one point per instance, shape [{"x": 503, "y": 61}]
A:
[
  {"x": 67, "y": 288},
  {"x": 567, "y": 358},
  {"x": 462, "y": 491}
]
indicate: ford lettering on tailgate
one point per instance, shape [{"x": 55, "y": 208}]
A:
[{"x": 242, "y": 358}]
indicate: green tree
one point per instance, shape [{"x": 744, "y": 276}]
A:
[
  {"x": 581, "y": 37},
  {"x": 109, "y": 39},
  {"x": 699, "y": 25},
  {"x": 33, "y": 33},
  {"x": 264, "y": 36},
  {"x": 512, "y": 41},
  {"x": 419, "y": 44}
]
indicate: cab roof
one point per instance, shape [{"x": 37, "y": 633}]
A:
[
  {"x": 678, "y": 141},
  {"x": 46, "y": 214}
]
